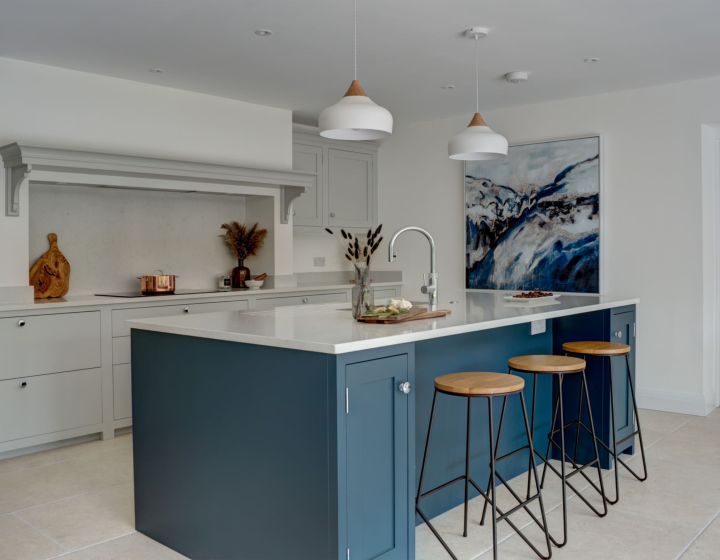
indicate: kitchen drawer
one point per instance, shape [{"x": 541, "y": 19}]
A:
[
  {"x": 120, "y": 316},
  {"x": 121, "y": 350},
  {"x": 40, "y": 344},
  {"x": 50, "y": 403},
  {"x": 122, "y": 391},
  {"x": 269, "y": 303}
]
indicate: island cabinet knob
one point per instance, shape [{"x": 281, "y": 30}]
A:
[
  {"x": 618, "y": 334},
  {"x": 405, "y": 387},
  {"x": 21, "y": 323}
]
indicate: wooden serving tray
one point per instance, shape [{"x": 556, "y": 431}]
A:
[{"x": 415, "y": 314}]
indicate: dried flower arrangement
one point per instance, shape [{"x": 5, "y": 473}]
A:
[
  {"x": 359, "y": 250},
  {"x": 243, "y": 241}
]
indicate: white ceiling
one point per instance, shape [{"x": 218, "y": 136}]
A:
[{"x": 408, "y": 48}]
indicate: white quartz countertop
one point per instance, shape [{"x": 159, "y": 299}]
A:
[
  {"x": 330, "y": 328},
  {"x": 90, "y": 300}
]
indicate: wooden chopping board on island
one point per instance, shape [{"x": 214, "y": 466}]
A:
[
  {"x": 414, "y": 314},
  {"x": 50, "y": 275}
]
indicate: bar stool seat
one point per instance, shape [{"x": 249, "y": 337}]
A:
[
  {"x": 479, "y": 384},
  {"x": 547, "y": 364},
  {"x": 596, "y": 348}
]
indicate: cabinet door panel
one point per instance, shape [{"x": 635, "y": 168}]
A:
[
  {"x": 622, "y": 329},
  {"x": 350, "y": 188},
  {"x": 308, "y": 208},
  {"x": 377, "y": 462}
]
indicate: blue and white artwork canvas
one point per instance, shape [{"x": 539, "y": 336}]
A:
[{"x": 532, "y": 219}]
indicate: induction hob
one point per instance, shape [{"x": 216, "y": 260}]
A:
[{"x": 175, "y": 293}]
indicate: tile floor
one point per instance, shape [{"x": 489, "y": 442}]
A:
[{"x": 75, "y": 503}]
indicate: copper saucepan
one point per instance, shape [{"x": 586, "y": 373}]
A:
[{"x": 157, "y": 283}]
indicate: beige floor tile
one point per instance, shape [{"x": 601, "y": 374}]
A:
[
  {"x": 85, "y": 519},
  {"x": 21, "y": 489},
  {"x": 707, "y": 546},
  {"x": 663, "y": 422},
  {"x": 19, "y": 541},
  {"x": 130, "y": 547}
]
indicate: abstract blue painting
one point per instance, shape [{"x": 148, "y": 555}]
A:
[{"x": 532, "y": 219}]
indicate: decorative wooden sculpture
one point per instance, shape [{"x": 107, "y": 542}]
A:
[{"x": 50, "y": 275}]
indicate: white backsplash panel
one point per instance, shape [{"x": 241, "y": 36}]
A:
[{"x": 110, "y": 236}]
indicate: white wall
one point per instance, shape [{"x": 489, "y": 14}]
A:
[
  {"x": 652, "y": 206},
  {"x": 50, "y": 106}
]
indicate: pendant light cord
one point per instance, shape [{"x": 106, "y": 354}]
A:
[
  {"x": 356, "y": 41},
  {"x": 477, "y": 77}
]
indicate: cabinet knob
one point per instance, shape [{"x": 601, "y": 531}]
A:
[
  {"x": 332, "y": 214},
  {"x": 23, "y": 384},
  {"x": 405, "y": 387},
  {"x": 186, "y": 310},
  {"x": 305, "y": 299},
  {"x": 618, "y": 334},
  {"x": 21, "y": 323}
]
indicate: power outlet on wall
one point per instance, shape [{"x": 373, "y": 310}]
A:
[
  {"x": 318, "y": 261},
  {"x": 538, "y": 327}
]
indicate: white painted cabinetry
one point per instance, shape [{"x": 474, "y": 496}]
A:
[{"x": 345, "y": 191}]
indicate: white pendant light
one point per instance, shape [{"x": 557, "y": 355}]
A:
[
  {"x": 478, "y": 141},
  {"x": 355, "y": 116}
]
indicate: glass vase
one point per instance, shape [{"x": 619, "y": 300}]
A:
[{"x": 362, "y": 295}]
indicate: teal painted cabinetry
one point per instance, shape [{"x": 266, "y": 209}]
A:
[
  {"x": 377, "y": 466},
  {"x": 622, "y": 329}
]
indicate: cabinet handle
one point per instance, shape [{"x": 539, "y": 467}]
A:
[
  {"x": 405, "y": 387},
  {"x": 186, "y": 310},
  {"x": 618, "y": 334},
  {"x": 332, "y": 214},
  {"x": 305, "y": 300},
  {"x": 21, "y": 323},
  {"x": 23, "y": 384}
]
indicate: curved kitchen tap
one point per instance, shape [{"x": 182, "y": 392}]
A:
[{"x": 430, "y": 285}]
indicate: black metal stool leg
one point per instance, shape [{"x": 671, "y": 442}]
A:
[
  {"x": 613, "y": 434},
  {"x": 531, "y": 459},
  {"x": 422, "y": 477},
  {"x": 492, "y": 478},
  {"x": 562, "y": 459},
  {"x": 550, "y": 440},
  {"x": 637, "y": 421},
  {"x": 467, "y": 468},
  {"x": 529, "y": 432},
  {"x": 595, "y": 445},
  {"x": 495, "y": 452}
]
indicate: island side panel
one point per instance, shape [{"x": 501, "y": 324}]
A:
[
  {"x": 234, "y": 448},
  {"x": 486, "y": 350}
]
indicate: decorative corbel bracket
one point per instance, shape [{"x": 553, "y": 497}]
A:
[
  {"x": 287, "y": 197},
  {"x": 15, "y": 176}
]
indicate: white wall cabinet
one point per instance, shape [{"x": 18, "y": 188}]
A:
[{"x": 345, "y": 192}]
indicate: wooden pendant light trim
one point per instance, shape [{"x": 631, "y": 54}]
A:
[
  {"x": 355, "y": 89},
  {"x": 477, "y": 120}
]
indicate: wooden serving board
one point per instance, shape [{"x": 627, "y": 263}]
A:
[{"x": 415, "y": 314}]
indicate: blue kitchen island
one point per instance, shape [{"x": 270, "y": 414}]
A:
[{"x": 277, "y": 434}]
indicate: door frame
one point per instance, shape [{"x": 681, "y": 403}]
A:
[{"x": 710, "y": 159}]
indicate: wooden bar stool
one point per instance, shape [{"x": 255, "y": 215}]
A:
[
  {"x": 471, "y": 385},
  {"x": 610, "y": 350},
  {"x": 560, "y": 366}
]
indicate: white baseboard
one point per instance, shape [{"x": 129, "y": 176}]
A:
[{"x": 684, "y": 403}]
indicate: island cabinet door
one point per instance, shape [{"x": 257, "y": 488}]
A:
[
  {"x": 622, "y": 329},
  {"x": 377, "y": 469}
]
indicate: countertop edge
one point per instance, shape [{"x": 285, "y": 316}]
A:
[{"x": 390, "y": 340}]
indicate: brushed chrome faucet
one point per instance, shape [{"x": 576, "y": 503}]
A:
[{"x": 429, "y": 286}]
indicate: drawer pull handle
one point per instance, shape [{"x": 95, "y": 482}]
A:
[
  {"x": 405, "y": 387},
  {"x": 305, "y": 300},
  {"x": 23, "y": 384},
  {"x": 332, "y": 214},
  {"x": 21, "y": 323},
  {"x": 186, "y": 310}
]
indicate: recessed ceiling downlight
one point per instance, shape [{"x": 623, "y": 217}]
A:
[
  {"x": 263, "y": 32},
  {"x": 591, "y": 60},
  {"x": 447, "y": 86},
  {"x": 156, "y": 70}
]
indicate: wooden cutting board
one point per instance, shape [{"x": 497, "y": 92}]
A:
[
  {"x": 415, "y": 314},
  {"x": 50, "y": 275}
]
